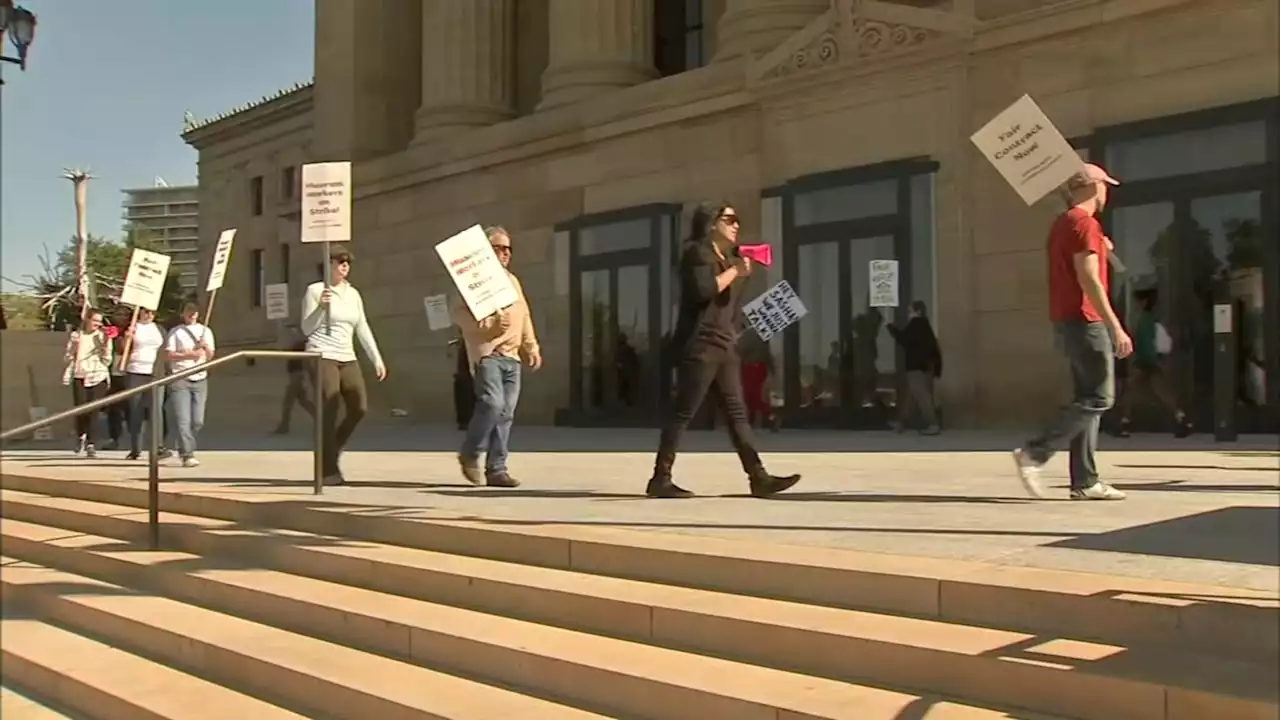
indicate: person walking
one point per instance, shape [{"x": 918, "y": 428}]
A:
[
  {"x": 1089, "y": 334},
  {"x": 139, "y": 369},
  {"x": 295, "y": 389},
  {"x": 704, "y": 349},
  {"x": 117, "y": 412},
  {"x": 333, "y": 318},
  {"x": 922, "y": 360},
  {"x": 495, "y": 346},
  {"x": 87, "y": 369},
  {"x": 189, "y": 344}
]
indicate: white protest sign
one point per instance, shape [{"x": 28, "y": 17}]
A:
[
  {"x": 476, "y": 270},
  {"x": 276, "y": 299},
  {"x": 775, "y": 310},
  {"x": 437, "y": 307},
  {"x": 1028, "y": 150},
  {"x": 326, "y": 202},
  {"x": 221, "y": 259},
  {"x": 144, "y": 282},
  {"x": 883, "y": 278}
]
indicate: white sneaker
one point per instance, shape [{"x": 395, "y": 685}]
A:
[
  {"x": 1098, "y": 491},
  {"x": 190, "y": 462},
  {"x": 1028, "y": 473}
]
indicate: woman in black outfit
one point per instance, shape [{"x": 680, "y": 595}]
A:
[{"x": 704, "y": 348}]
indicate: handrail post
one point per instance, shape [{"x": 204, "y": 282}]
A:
[
  {"x": 317, "y": 396},
  {"x": 155, "y": 428}
]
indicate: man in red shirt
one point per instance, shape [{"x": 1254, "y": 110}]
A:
[{"x": 1088, "y": 332}]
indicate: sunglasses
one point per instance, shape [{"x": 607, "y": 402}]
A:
[
  {"x": 501, "y": 248},
  {"x": 730, "y": 219}
]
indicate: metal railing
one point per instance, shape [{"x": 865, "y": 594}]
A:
[{"x": 156, "y": 425}]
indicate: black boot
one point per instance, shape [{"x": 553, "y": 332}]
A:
[
  {"x": 763, "y": 484},
  {"x": 660, "y": 486}
]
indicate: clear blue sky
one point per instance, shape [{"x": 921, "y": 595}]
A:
[{"x": 106, "y": 86}]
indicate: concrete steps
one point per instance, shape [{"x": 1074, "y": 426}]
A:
[
  {"x": 15, "y": 705},
  {"x": 622, "y": 647}
]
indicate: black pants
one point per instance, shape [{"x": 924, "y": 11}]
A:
[
  {"x": 117, "y": 413},
  {"x": 81, "y": 395},
  {"x": 139, "y": 411},
  {"x": 341, "y": 384},
  {"x": 703, "y": 370}
]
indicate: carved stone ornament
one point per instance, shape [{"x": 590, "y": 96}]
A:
[
  {"x": 824, "y": 50},
  {"x": 879, "y": 38}
]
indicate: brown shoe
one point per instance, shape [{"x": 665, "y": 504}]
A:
[
  {"x": 471, "y": 469},
  {"x": 764, "y": 485},
  {"x": 500, "y": 480},
  {"x": 660, "y": 486}
]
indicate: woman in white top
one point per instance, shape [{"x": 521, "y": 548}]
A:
[
  {"x": 139, "y": 369},
  {"x": 88, "y": 372},
  {"x": 332, "y": 317}
]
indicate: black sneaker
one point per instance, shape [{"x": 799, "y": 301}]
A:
[
  {"x": 661, "y": 487},
  {"x": 334, "y": 479},
  {"x": 133, "y": 455},
  {"x": 1123, "y": 430},
  {"x": 1182, "y": 428},
  {"x": 764, "y": 485},
  {"x": 471, "y": 469},
  {"x": 500, "y": 479}
]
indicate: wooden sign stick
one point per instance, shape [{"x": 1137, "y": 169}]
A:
[{"x": 128, "y": 340}]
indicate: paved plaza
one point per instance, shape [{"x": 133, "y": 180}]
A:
[{"x": 1198, "y": 511}]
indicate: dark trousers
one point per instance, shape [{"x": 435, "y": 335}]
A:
[
  {"x": 81, "y": 395},
  {"x": 1090, "y": 352},
  {"x": 295, "y": 393},
  {"x": 341, "y": 384},
  {"x": 138, "y": 411},
  {"x": 719, "y": 372},
  {"x": 117, "y": 413}
]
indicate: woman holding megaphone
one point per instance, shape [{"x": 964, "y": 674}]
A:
[{"x": 704, "y": 349}]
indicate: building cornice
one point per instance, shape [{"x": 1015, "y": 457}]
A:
[{"x": 269, "y": 110}]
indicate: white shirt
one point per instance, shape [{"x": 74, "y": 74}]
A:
[
  {"x": 186, "y": 337},
  {"x": 147, "y": 341},
  {"x": 347, "y": 322}
]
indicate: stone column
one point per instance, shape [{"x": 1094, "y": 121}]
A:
[
  {"x": 468, "y": 65},
  {"x": 755, "y": 27},
  {"x": 596, "y": 47}
]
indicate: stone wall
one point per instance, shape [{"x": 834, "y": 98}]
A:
[{"x": 31, "y": 375}]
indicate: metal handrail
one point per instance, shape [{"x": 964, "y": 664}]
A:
[{"x": 155, "y": 425}]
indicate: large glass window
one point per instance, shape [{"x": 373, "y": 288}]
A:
[
  {"x": 1187, "y": 153},
  {"x": 820, "y": 339},
  {"x": 847, "y": 202}
]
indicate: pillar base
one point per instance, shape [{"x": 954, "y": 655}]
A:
[{"x": 570, "y": 84}]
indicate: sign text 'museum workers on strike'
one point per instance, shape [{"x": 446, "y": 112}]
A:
[{"x": 326, "y": 202}]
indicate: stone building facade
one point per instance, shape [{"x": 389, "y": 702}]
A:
[{"x": 839, "y": 131}]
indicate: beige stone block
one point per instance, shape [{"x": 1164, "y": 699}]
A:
[
  {"x": 1203, "y": 33},
  {"x": 1011, "y": 281},
  {"x": 658, "y": 186},
  {"x": 576, "y": 169},
  {"x": 1055, "y": 66}
]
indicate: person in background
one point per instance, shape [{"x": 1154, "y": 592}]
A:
[
  {"x": 140, "y": 369},
  {"x": 1146, "y": 367},
  {"x": 1089, "y": 333},
  {"x": 464, "y": 389},
  {"x": 87, "y": 370},
  {"x": 922, "y": 359},
  {"x": 704, "y": 347},
  {"x": 189, "y": 345},
  {"x": 333, "y": 318},
  {"x": 757, "y": 370},
  {"x": 118, "y": 412},
  {"x": 495, "y": 346},
  {"x": 296, "y": 390}
]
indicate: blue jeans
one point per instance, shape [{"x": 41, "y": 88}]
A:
[
  {"x": 497, "y": 383},
  {"x": 186, "y": 409},
  {"x": 1090, "y": 352}
]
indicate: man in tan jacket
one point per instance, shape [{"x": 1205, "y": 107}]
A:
[{"x": 495, "y": 345}]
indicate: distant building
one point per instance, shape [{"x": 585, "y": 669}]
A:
[{"x": 168, "y": 216}]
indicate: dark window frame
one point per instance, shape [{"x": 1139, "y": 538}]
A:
[
  {"x": 288, "y": 182},
  {"x": 672, "y": 30},
  {"x": 257, "y": 278},
  {"x": 257, "y": 203}
]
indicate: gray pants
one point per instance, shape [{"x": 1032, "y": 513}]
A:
[
  {"x": 186, "y": 400},
  {"x": 919, "y": 397},
  {"x": 1090, "y": 352}
]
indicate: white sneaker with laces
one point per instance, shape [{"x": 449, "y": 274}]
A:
[
  {"x": 190, "y": 462},
  {"x": 1028, "y": 473},
  {"x": 1098, "y": 491}
]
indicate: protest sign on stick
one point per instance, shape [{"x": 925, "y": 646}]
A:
[
  {"x": 143, "y": 288},
  {"x": 326, "y": 211},
  {"x": 1027, "y": 150},
  {"x": 477, "y": 272},
  {"x": 218, "y": 269},
  {"x": 775, "y": 310}
]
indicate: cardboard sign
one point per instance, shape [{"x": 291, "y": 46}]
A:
[
  {"x": 221, "y": 259},
  {"x": 476, "y": 271},
  {"x": 144, "y": 282},
  {"x": 437, "y": 307},
  {"x": 1027, "y": 150},
  {"x": 774, "y": 311},
  {"x": 883, "y": 279},
  {"x": 276, "y": 299},
  {"x": 326, "y": 202}
]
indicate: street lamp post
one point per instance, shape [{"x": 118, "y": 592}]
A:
[{"x": 20, "y": 24}]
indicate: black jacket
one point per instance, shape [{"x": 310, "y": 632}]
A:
[
  {"x": 706, "y": 319},
  {"x": 919, "y": 345}
]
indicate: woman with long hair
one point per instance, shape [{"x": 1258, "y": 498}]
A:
[
  {"x": 704, "y": 349},
  {"x": 87, "y": 370}
]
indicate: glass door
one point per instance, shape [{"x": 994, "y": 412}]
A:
[
  {"x": 842, "y": 368},
  {"x": 617, "y": 349}
]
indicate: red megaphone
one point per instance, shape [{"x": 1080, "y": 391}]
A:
[{"x": 762, "y": 254}]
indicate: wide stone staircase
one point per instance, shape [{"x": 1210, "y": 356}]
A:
[{"x": 265, "y": 607}]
